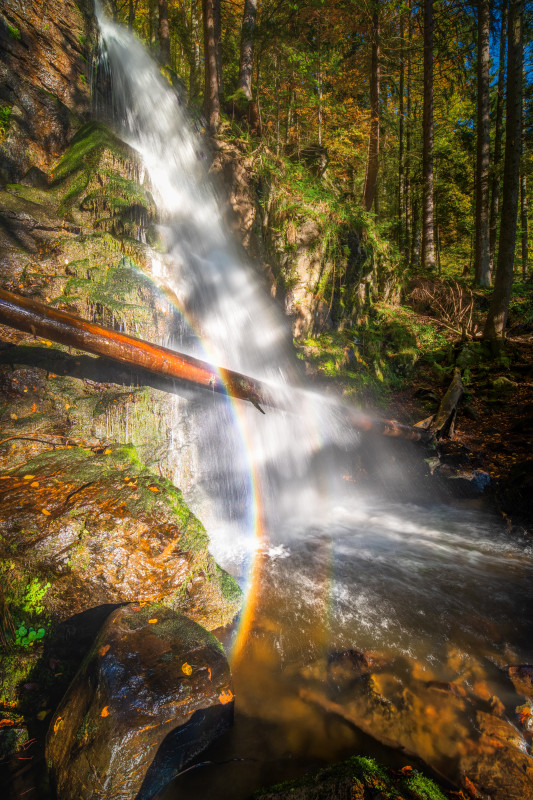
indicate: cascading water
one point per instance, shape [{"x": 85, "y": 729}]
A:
[{"x": 442, "y": 594}]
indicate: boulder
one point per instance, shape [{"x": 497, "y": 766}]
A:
[
  {"x": 101, "y": 528},
  {"x": 152, "y": 693}
]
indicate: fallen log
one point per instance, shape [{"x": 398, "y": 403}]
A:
[
  {"x": 444, "y": 422},
  {"x": 40, "y": 320},
  {"x": 33, "y": 317}
]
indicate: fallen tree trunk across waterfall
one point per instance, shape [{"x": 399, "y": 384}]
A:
[{"x": 33, "y": 317}]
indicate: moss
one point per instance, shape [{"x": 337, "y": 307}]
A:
[
  {"x": 363, "y": 777},
  {"x": 5, "y": 116},
  {"x": 14, "y": 32}
]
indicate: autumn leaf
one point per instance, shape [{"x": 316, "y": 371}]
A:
[
  {"x": 105, "y": 711},
  {"x": 186, "y": 668},
  {"x": 6, "y": 723},
  {"x": 45, "y": 512},
  {"x": 153, "y": 488},
  {"x": 33, "y": 408},
  {"x": 29, "y": 477},
  {"x": 103, "y": 650},
  {"x": 225, "y": 697},
  {"x": 406, "y": 770},
  {"x": 57, "y": 724},
  {"x": 153, "y": 620},
  {"x": 42, "y": 715},
  {"x": 469, "y": 786},
  {"x": 107, "y": 452},
  {"x": 34, "y": 484}
]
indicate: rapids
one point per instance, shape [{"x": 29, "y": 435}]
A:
[{"x": 440, "y": 594}]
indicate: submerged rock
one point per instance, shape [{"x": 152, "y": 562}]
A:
[
  {"x": 153, "y": 692},
  {"x": 522, "y": 679}
]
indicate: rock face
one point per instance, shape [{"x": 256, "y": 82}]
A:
[
  {"x": 102, "y": 529},
  {"x": 45, "y": 78},
  {"x": 153, "y": 692}
]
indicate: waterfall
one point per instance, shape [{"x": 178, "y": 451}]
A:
[{"x": 227, "y": 316}]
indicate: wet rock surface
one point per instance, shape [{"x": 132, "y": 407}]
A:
[
  {"x": 103, "y": 529},
  {"x": 45, "y": 75},
  {"x": 153, "y": 692},
  {"x": 432, "y": 719}
]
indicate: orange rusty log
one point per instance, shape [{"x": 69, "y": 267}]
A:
[{"x": 40, "y": 320}]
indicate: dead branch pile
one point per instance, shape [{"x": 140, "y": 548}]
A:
[{"x": 447, "y": 301}]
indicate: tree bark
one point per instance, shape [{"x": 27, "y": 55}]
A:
[
  {"x": 164, "y": 34},
  {"x": 499, "y": 308},
  {"x": 372, "y": 164},
  {"x": 428, "y": 224},
  {"x": 401, "y": 126},
  {"x": 408, "y": 232},
  {"x": 247, "y": 47},
  {"x": 482, "y": 250},
  {"x": 497, "y": 156},
  {"x": 523, "y": 207},
  {"x": 212, "y": 89}
]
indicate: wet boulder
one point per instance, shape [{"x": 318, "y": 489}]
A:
[
  {"x": 152, "y": 693},
  {"x": 101, "y": 528}
]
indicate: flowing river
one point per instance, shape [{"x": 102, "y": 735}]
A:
[{"x": 375, "y": 617}]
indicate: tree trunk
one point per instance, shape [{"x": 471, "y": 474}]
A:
[
  {"x": 28, "y": 315},
  {"x": 482, "y": 252},
  {"x": 499, "y": 308},
  {"x": 428, "y": 225},
  {"x": 164, "y": 34},
  {"x": 247, "y": 47},
  {"x": 523, "y": 208},
  {"x": 131, "y": 15},
  {"x": 401, "y": 126},
  {"x": 497, "y": 156},
  {"x": 212, "y": 94},
  {"x": 372, "y": 163},
  {"x": 194, "y": 75},
  {"x": 408, "y": 232},
  {"x": 218, "y": 45}
]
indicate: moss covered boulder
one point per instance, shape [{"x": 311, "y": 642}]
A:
[
  {"x": 100, "y": 528},
  {"x": 358, "y": 778},
  {"x": 153, "y": 692}
]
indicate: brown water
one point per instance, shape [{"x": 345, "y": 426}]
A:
[{"x": 442, "y": 598}]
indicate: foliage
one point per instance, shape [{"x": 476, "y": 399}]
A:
[{"x": 5, "y": 115}]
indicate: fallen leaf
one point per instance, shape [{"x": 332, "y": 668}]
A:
[
  {"x": 152, "y": 620},
  {"x": 103, "y": 650},
  {"x": 107, "y": 452},
  {"x": 153, "y": 488},
  {"x": 33, "y": 408},
  {"x": 46, "y": 512},
  {"x": 209, "y": 672},
  {"x": 186, "y": 668},
  {"x": 67, "y": 405},
  {"x": 29, "y": 477},
  {"x": 34, "y": 484},
  {"x": 469, "y": 786},
  {"x": 13, "y": 416},
  {"x": 42, "y": 715},
  {"x": 406, "y": 770},
  {"x": 105, "y": 711},
  {"x": 6, "y": 723},
  {"x": 57, "y": 724},
  {"x": 225, "y": 697}
]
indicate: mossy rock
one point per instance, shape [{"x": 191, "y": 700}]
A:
[
  {"x": 101, "y": 528},
  {"x": 358, "y": 778}
]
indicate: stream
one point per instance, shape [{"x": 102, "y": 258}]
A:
[{"x": 376, "y": 619}]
